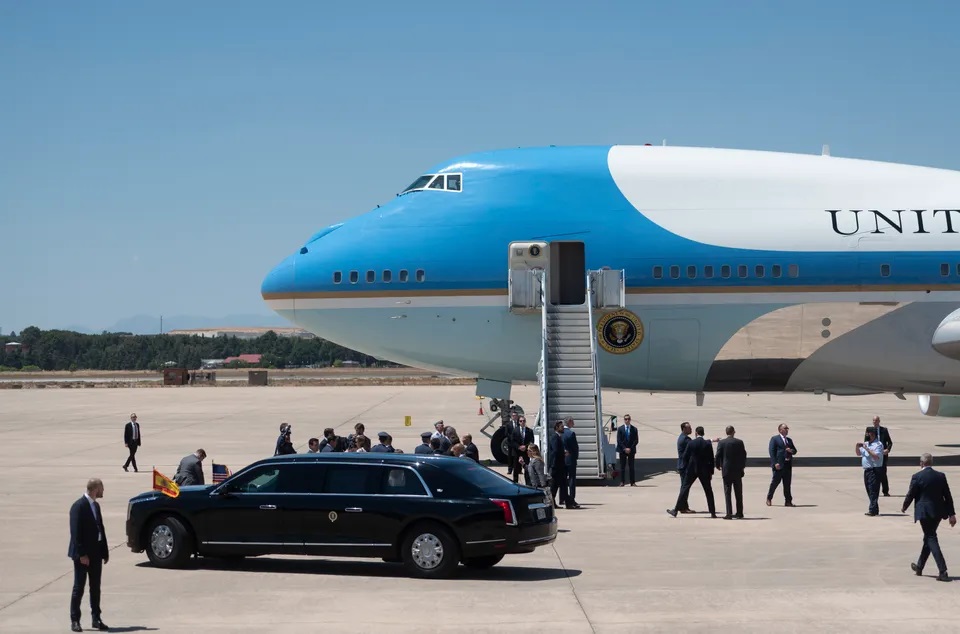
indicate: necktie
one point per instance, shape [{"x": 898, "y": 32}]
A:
[{"x": 136, "y": 431}]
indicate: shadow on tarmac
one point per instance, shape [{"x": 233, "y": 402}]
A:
[{"x": 367, "y": 568}]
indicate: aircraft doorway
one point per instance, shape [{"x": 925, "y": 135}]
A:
[{"x": 568, "y": 274}]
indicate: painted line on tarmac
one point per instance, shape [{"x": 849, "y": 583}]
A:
[{"x": 573, "y": 588}]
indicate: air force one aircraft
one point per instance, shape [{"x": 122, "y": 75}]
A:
[{"x": 701, "y": 269}]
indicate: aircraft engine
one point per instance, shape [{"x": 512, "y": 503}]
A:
[
  {"x": 946, "y": 338},
  {"x": 936, "y": 405}
]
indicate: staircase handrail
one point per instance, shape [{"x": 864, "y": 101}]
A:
[
  {"x": 598, "y": 422},
  {"x": 545, "y": 426}
]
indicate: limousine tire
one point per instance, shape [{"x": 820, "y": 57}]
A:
[
  {"x": 169, "y": 544},
  {"x": 482, "y": 563},
  {"x": 430, "y": 551}
]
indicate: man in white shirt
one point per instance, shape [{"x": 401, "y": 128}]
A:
[{"x": 871, "y": 458}]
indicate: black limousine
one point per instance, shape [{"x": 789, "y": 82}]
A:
[{"x": 430, "y": 512}]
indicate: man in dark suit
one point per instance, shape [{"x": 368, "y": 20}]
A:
[
  {"x": 131, "y": 440},
  {"x": 190, "y": 470},
  {"x": 89, "y": 551},
  {"x": 698, "y": 456},
  {"x": 732, "y": 461},
  {"x": 571, "y": 454},
  {"x": 469, "y": 449},
  {"x": 682, "y": 441},
  {"x": 509, "y": 429},
  {"x": 424, "y": 446},
  {"x": 520, "y": 437},
  {"x": 933, "y": 504},
  {"x": 883, "y": 435},
  {"x": 628, "y": 437},
  {"x": 558, "y": 466},
  {"x": 782, "y": 450}
]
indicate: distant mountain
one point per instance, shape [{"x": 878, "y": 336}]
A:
[{"x": 150, "y": 324}]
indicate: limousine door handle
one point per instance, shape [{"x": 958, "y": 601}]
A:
[
  {"x": 268, "y": 507},
  {"x": 353, "y": 509}
]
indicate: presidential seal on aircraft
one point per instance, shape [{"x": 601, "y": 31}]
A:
[{"x": 620, "y": 332}]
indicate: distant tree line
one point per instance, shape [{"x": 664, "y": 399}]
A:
[{"x": 66, "y": 350}]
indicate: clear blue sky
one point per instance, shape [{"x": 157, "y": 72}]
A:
[{"x": 160, "y": 158}]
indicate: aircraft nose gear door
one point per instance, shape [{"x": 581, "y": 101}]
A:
[{"x": 526, "y": 261}]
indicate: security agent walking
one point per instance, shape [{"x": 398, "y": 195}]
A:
[
  {"x": 558, "y": 465},
  {"x": 782, "y": 450},
  {"x": 131, "y": 440},
  {"x": 934, "y": 503},
  {"x": 628, "y": 437},
  {"x": 682, "y": 441},
  {"x": 732, "y": 462},
  {"x": 883, "y": 435},
  {"x": 89, "y": 551},
  {"x": 571, "y": 454},
  {"x": 699, "y": 459},
  {"x": 871, "y": 458}
]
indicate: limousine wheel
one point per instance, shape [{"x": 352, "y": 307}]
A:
[
  {"x": 430, "y": 551},
  {"x": 482, "y": 563},
  {"x": 168, "y": 543}
]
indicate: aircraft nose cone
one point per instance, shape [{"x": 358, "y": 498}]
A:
[{"x": 282, "y": 279}]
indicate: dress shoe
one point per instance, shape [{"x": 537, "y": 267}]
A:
[
  {"x": 100, "y": 625},
  {"x": 672, "y": 512},
  {"x": 633, "y": 484},
  {"x": 687, "y": 511},
  {"x": 789, "y": 504},
  {"x": 728, "y": 517},
  {"x": 738, "y": 516},
  {"x": 75, "y": 626},
  {"x": 917, "y": 570},
  {"x": 713, "y": 516},
  {"x": 943, "y": 576},
  {"x": 868, "y": 514},
  {"x": 573, "y": 505},
  {"x": 127, "y": 470},
  {"x": 886, "y": 495},
  {"x": 622, "y": 484},
  {"x": 769, "y": 502}
]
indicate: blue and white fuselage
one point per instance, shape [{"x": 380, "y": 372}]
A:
[{"x": 749, "y": 270}]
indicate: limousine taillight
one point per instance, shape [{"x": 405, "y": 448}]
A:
[{"x": 509, "y": 517}]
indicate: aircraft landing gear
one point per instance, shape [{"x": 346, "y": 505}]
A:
[{"x": 499, "y": 447}]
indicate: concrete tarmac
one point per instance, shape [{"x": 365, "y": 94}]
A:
[{"x": 620, "y": 564}]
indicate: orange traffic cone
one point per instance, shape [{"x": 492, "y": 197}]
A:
[{"x": 480, "y": 413}]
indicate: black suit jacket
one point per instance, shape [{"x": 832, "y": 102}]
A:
[
  {"x": 84, "y": 529},
  {"x": 698, "y": 456},
  {"x": 731, "y": 457},
  {"x": 628, "y": 443},
  {"x": 883, "y": 436},
  {"x": 128, "y": 435},
  {"x": 517, "y": 439},
  {"x": 932, "y": 494},
  {"x": 682, "y": 441},
  {"x": 556, "y": 450},
  {"x": 778, "y": 451}
]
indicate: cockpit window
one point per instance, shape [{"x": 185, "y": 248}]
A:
[
  {"x": 441, "y": 182},
  {"x": 420, "y": 183}
]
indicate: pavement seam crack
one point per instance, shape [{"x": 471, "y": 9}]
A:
[
  {"x": 573, "y": 588},
  {"x": 47, "y": 584}
]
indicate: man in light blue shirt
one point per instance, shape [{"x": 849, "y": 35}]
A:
[{"x": 871, "y": 457}]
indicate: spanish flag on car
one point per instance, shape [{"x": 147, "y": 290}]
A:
[{"x": 164, "y": 484}]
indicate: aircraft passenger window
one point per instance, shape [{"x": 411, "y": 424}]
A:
[
  {"x": 453, "y": 182},
  {"x": 885, "y": 270},
  {"x": 776, "y": 271},
  {"x": 691, "y": 272},
  {"x": 371, "y": 277},
  {"x": 742, "y": 270},
  {"x": 404, "y": 276},
  {"x": 421, "y": 275},
  {"x": 793, "y": 270},
  {"x": 675, "y": 272},
  {"x": 708, "y": 272},
  {"x": 944, "y": 270},
  {"x": 759, "y": 270},
  {"x": 658, "y": 272},
  {"x": 387, "y": 276},
  {"x": 437, "y": 183},
  {"x": 337, "y": 277},
  {"x": 725, "y": 271},
  {"x": 420, "y": 183},
  {"x": 354, "y": 277}
]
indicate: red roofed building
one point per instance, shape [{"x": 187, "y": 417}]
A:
[{"x": 252, "y": 359}]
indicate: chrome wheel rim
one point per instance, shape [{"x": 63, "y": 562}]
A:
[
  {"x": 161, "y": 541},
  {"x": 427, "y": 551}
]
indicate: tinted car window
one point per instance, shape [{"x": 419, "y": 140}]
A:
[
  {"x": 287, "y": 478},
  {"x": 487, "y": 481},
  {"x": 258, "y": 480},
  {"x": 352, "y": 479},
  {"x": 399, "y": 481}
]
